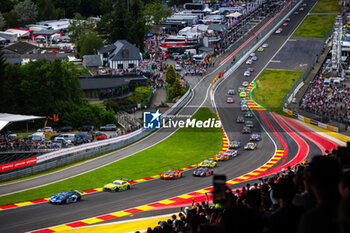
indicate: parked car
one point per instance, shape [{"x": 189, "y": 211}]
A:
[
  {"x": 87, "y": 128},
  {"x": 101, "y": 136},
  {"x": 108, "y": 127},
  {"x": 65, "y": 129}
]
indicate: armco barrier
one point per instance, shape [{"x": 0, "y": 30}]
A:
[
  {"x": 74, "y": 154},
  {"x": 311, "y": 121}
]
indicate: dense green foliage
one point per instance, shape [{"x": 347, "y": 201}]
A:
[
  {"x": 140, "y": 95},
  {"x": 170, "y": 75},
  {"x": 42, "y": 88}
]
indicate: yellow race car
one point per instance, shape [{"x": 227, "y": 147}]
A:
[
  {"x": 250, "y": 146},
  {"x": 207, "y": 163},
  {"x": 117, "y": 185},
  {"x": 243, "y": 94}
]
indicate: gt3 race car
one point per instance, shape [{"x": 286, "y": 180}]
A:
[
  {"x": 172, "y": 174},
  {"x": 240, "y": 119},
  {"x": 242, "y": 94},
  {"x": 229, "y": 100},
  {"x": 250, "y": 146},
  {"x": 65, "y": 197},
  {"x": 246, "y": 130},
  {"x": 231, "y": 153},
  {"x": 255, "y": 137},
  {"x": 231, "y": 92},
  {"x": 234, "y": 144},
  {"x": 249, "y": 124},
  {"x": 243, "y": 102},
  {"x": 247, "y": 73},
  {"x": 221, "y": 157},
  {"x": 203, "y": 171},
  {"x": 207, "y": 163},
  {"x": 117, "y": 185},
  {"x": 249, "y": 62},
  {"x": 248, "y": 114},
  {"x": 245, "y": 84},
  {"x": 244, "y": 107},
  {"x": 241, "y": 89},
  {"x": 260, "y": 49}
]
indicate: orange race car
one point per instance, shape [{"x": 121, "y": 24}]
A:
[
  {"x": 172, "y": 174},
  {"x": 221, "y": 157}
]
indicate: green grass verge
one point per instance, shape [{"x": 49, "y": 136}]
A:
[
  {"x": 272, "y": 86},
  {"x": 326, "y": 6},
  {"x": 316, "y": 26},
  {"x": 185, "y": 147}
]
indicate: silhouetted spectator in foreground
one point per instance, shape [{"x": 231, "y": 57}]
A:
[{"x": 324, "y": 177}]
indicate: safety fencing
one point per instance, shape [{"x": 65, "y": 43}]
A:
[
  {"x": 311, "y": 121},
  {"x": 66, "y": 156}
]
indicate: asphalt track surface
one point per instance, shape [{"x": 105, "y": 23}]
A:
[
  {"x": 45, "y": 215},
  {"x": 199, "y": 95}
]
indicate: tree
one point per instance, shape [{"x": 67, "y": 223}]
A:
[
  {"x": 46, "y": 9},
  {"x": 26, "y": 11},
  {"x": 176, "y": 88},
  {"x": 106, "y": 6},
  {"x": 89, "y": 42},
  {"x": 170, "y": 75},
  {"x": 156, "y": 12},
  {"x": 140, "y": 95},
  {"x": 2, "y": 21},
  {"x": 78, "y": 27}
]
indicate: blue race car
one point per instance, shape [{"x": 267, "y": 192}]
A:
[{"x": 65, "y": 197}]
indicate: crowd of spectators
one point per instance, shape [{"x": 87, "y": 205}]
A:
[
  {"x": 310, "y": 197},
  {"x": 332, "y": 102},
  {"x": 14, "y": 144}
]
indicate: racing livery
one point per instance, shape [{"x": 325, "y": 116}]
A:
[
  {"x": 117, "y": 185},
  {"x": 255, "y": 137},
  {"x": 231, "y": 153},
  {"x": 65, "y": 197},
  {"x": 234, "y": 144},
  {"x": 203, "y": 171},
  {"x": 172, "y": 174},
  {"x": 221, "y": 157},
  {"x": 207, "y": 163},
  {"x": 250, "y": 146}
]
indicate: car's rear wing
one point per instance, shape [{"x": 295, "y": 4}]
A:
[{"x": 129, "y": 180}]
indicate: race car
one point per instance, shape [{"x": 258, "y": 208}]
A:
[
  {"x": 260, "y": 49},
  {"x": 265, "y": 45},
  {"x": 246, "y": 130},
  {"x": 243, "y": 102},
  {"x": 234, "y": 144},
  {"x": 250, "y": 146},
  {"x": 250, "y": 69},
  {"x": 285, "y": 24},
  {"x": 301, "y": 9},
  {"x": 254, "y": 58},
  {"x": 245, "y": 84},
  {"x": 252, "y": 54},
  {"x": 231, "y": 92},
  {"x": 241, "y": 89},
  {"x": 242, "y": 94},
  {"x": 65, "y": 197},
  {"x": 117, "y": 185},
  {"x": 172, "y": 174},
  {"x": 207, "y": 163},
  {"x": 278, "y": 31},
  {"x": 203, "y": 171},
  {"x": 255, "y": 137},
  {"x": 244, "y": 107},
  {"x": 221, "y": 157},
  {"x": 247, "y": 74},
  {"x": 287, "y": 19},
  {"x": 231, "y": 153},
  {"x": 249, "y": 124},
  {"x": 248, "y": 114},
  {"x": 240, "y": 119},
  {"x": 249, "y": 62},
  {"x": 229, "y": 100}
]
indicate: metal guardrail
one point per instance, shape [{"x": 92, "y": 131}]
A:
[{"x": 74, "y": 154}]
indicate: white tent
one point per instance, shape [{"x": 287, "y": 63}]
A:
[
  {"x": 234, "y": 15},
  {"x": 19, "y": 33},
  {"x": 6, "y": 118}
]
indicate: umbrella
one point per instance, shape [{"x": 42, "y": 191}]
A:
[{"x": 149, "y": 34}]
